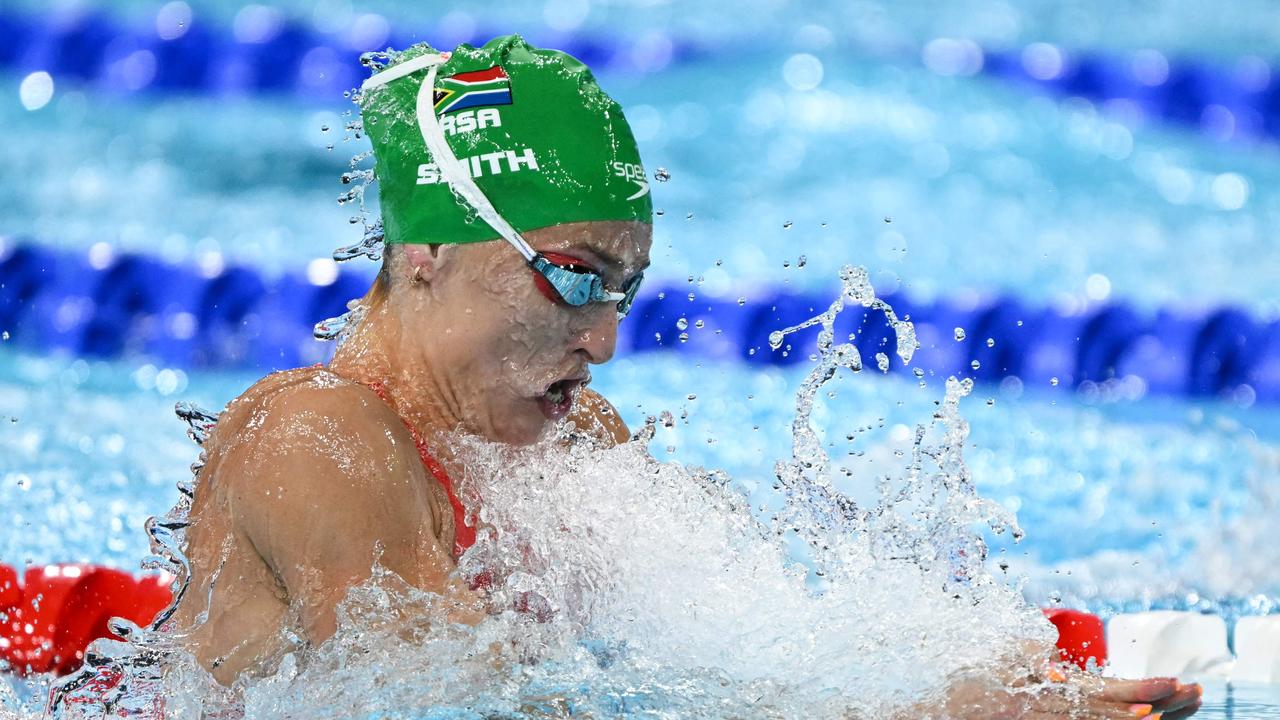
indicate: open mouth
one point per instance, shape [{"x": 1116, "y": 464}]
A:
[{"x": 556, "y": 402}]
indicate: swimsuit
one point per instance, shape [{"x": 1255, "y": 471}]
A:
[{"x": 464, "y": 535}]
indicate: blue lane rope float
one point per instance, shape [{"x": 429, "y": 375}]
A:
[
  {"x": 277, "y": 54},
  {"x": 137, "y": 307}
]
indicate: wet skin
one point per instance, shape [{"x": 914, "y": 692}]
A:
[{"x": 311, "y": 476}]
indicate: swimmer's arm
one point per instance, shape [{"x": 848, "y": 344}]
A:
[
  {"x": 599, "y": 418},
  {"x": 1042, "y": 687},
  {"x": 323, "y": 493}
]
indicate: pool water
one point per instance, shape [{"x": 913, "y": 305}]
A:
[{"x": 798, "y": 138}]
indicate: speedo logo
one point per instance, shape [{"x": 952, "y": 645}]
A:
[
  {"x": 493, "y": 163},
  {"x": 635, "y": 173},
  {"x": 466, "y": 121}
]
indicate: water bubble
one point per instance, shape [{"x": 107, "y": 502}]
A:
[
  {"x": 991, "y": 342},
  {"x": 787, "y": 225},
  {"x": 662, "y": 175},
  {"x": 888, "y": 219},
  {"x": 975, "y": 364},
  {"x": 699, "y": 324},
  {"x": 682, "y": 323},
  {"x": 659, "y": 211},
  {"x": 882, "y": 362},
  {"x": 802, "y": 261},
  {"x": 1053, "y": 381},
  {"x": 689, "y": 216},
  {"x": 742, "y": 301},
  {"x": 324, "y": 128},
  {"x": 658, "y": 337},
  {"x": 684, "y": 337},
  {"x": 959, "y": 333},
  {"x": 4, "y": 335}
]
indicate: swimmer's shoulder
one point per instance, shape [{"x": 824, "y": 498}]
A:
[
  {"x": 280, "y": 396},
  {"x": 341, "y": 420},
  {"x": 307, "y": 449},
  {"x": 599, "y": 419}
]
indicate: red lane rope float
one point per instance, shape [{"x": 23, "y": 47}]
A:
[
  {"x": 1081, "y": 637},
  {"x": 48, "y": 620}
]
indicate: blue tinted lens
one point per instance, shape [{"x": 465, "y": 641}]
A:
[
  {"x": 576, "y": 288},
  {"x": 629, "y": 292}
]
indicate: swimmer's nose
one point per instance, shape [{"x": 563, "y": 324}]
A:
[{"x": 599, "y": 339}]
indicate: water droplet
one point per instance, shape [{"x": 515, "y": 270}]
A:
[
  {"x": 918, "y": 372},
  {"x": 882, "y": 362},
  {"x": 684, "y": 337},
  {"x": 775, "y": 339},
  {"x": 888, "y": 219},
  {"x": 692, "y": 397},
  {"x": 742, "y": 301},
  {"x": 689, "y": 216},
  {"x": 682, "y": 323},
  {"x": 959, "y": 334},
  {"x": 658, "y": 337},
  {"x": 1053, "y": 381},
  {"x": 699, "y": 324},
  {"x": 662, "y": 296},
  {"x": 324, "y": 128},
  {"x": 991, "y": 401},
  {"x": 659, "y": 211},
  {"x": 991, "y": 342},
  {"x": 975, "y": 364},
  {"x": 786, "y": 225},
  {"x": 802, "y": 261},
  {"x": 4, "y": 335},
  {"x": 662, "y": 175}
]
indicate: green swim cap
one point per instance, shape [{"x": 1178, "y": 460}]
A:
[{"x": 540, "y": 139}]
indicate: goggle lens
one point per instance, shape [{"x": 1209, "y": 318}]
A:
[{"x": 568, "y": 280}]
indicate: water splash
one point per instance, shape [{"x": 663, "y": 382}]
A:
[
  {"x": 625, "y": 585},
  {"x": 125, "y": 677}
]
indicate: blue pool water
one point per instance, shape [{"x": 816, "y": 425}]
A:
[{"x": 797, "y": 131}]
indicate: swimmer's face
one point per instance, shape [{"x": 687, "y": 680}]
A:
[{"x": 513, "y": 359}]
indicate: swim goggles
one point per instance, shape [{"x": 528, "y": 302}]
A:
[
  {"x": 576, "y": 283},
  {"x": 573, "y": 282}
]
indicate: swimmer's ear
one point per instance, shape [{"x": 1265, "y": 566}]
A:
[{"x": 424, "y": 262}]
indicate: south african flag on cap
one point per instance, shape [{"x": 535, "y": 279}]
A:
[{"x": 481, "y": 88}]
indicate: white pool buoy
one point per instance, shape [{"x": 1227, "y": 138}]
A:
[
  {"x": 1257, "y": 643},
  {"x": 1167, "y": 643}
]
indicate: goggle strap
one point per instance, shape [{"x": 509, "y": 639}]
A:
[{"x": 451, "y": 169}]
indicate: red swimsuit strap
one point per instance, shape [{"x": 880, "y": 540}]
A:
[{"x": 464, "y": 534}]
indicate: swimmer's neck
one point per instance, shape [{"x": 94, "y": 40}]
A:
[{"x": 379, "y": 350}]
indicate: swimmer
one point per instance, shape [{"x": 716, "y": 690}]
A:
[{"x": 518, "y": 224}]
